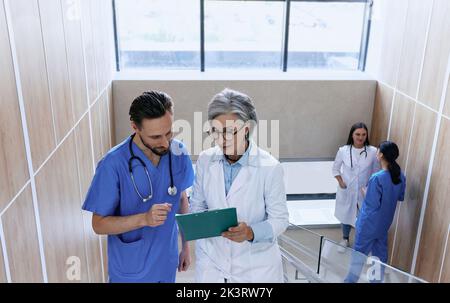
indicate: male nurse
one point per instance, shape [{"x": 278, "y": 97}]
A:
[{"x": 137, "y": 189}]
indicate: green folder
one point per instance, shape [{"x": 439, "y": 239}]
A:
[{"x": 207, "y": 224}]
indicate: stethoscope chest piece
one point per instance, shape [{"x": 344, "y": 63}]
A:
[{"x": 172, "y": 190}]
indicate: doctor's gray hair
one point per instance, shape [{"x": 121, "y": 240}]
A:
[{"x": 230, "y": 101}]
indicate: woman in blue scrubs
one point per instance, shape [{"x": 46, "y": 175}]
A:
[
  {"x": 137, "y": 189},
  {"x": 384, "y": 190}
]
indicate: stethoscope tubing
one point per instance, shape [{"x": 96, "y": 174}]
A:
[
  {"x": 172, "y": 190},
  {"x": 351, "y": 157}
]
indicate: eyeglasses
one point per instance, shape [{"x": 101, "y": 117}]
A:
[{"x": 226, "y": 134}]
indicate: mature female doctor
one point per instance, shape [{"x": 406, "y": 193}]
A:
[
  {"x": 237, "y": 173},
  {"x": 137, "y": 189},
  {"x": 353, "y": 166}
]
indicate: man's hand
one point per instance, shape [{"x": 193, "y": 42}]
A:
[
  {"x": 240, "y": 233},
  {"x": 157, "y": 215},
  {"x": 185, "y": 258}
]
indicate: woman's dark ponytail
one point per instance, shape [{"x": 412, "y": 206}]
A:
[
  {"x": 390, "y": 153},
  {"x": 394, "y": 170}
]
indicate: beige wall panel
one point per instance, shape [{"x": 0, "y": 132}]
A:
[
  {"x": 102, "y": 36},
  {"x": 106, "y": 133},
  {"x": 417, "y": 172},
  {"x": 381, "y": 114},
  {"x": 383, "y": 63},
  {"x": 104, "y": 243},
  {"x": 393, "y": 16},
  {"x": 31, "y": 59},
  {"x": 401, "y": 124},
  {"x": 447, "y": 101},
  {"x": 58, "y": 73},
  {"x": 3, "y": 278},
  {"x": 93, "y": 250},
  {"x": 437, "y": 214},
  {"x": 13, "y": 162},
  {"x": 391, "y": 235},
  {"x": 436, "y": 56},
  {"x": 89, "y": 48},
  {"x": 111, "y": 117},
  {"x": 402, "y": 118},
  {"x": 313, "y": 115},
  {"x": 99, "y": 51},
  {"x": 84, "y": 153},
  {"x": 413, "y": 46},
  {"x": 75, "y": 57},
  {"x": 445, "y": 276},
  {"x": 61, "y": 219},
  {"x": 97, "y": 132},
  {"x": 19, "y": 226}
]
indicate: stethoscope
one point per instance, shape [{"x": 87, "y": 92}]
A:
[
  {"x": 351, "y": 157},
  {"x": 172, "y": 190}
]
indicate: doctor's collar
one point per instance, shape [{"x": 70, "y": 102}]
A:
[{"x": 251, "y": 154}]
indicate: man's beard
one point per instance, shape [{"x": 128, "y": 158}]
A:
[{"x": 160, "y": 151}]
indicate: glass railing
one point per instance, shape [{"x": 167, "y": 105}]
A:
[
  {"x": 301, "y": 251},
  {"x": 311, "y": 257}
]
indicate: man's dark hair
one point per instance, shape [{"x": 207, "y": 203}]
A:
[{"x": 150, "y": 105}]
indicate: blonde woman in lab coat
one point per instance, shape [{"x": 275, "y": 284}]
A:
[
  {"x": 353, "y": 166},
  {"x": 237, "y": 173}
]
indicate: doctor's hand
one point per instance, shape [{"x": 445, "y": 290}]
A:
[
  {"x": 157, "y": 215},
  {"x": 342, "y": 185},
  {"x": 240, "y": 233},
  {"x": 185, "y": 258},
  {"x": 341, "y": 182}
]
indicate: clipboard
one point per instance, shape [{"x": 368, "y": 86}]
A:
[{"x": 207, "y": 224}]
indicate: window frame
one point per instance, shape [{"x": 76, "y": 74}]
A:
[{"x": 285, "y": 44}]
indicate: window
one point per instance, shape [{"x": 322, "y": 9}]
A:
[
  {"x": 229, "y": 34},
  {"x": 243, "y": 34},
  {"x": 325, "y": 35},
  {"x": 158, "y": 34}
]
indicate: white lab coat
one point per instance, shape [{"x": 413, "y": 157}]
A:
[
  {"x": 258, "y": 193},
  {"x": 350, "y": 199}
]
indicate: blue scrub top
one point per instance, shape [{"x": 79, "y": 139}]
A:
[
  {"x": 378, "y": 209},
  {"x": 148, "y": 254}
]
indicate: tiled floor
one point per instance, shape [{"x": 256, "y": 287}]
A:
[{"x": 310, "y": 213}]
